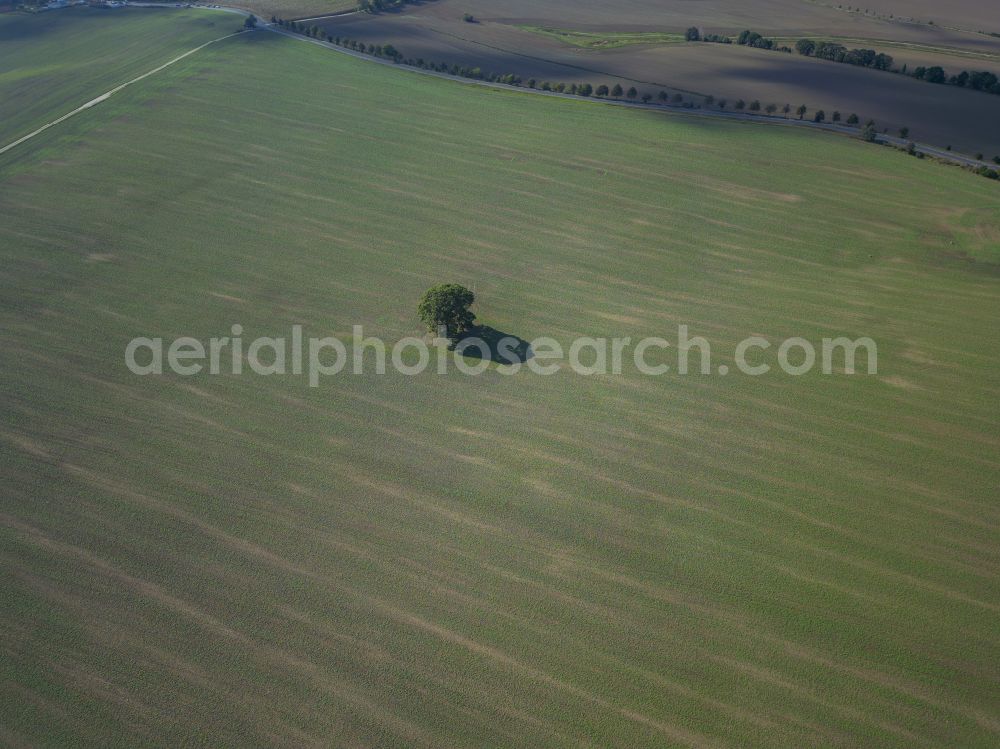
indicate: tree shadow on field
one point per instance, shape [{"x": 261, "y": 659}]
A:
[{"x": 484, "y": 342}]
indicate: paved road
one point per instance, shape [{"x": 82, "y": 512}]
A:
[{"x": 923, "y": 148}]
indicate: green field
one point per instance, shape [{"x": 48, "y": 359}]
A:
[
  {"x": 488, "y": 561},
  {"x": 605, "y": 40},
  {"x": 54, "y": 62}
]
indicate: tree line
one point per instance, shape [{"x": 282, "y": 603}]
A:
[
  {"x": 867, "y": 58},
  {"x": 982, "y": 80},
  {"x": 864, "y": 58},
  {"x": 746, "y": 38}
]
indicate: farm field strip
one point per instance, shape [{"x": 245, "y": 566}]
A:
[
  {"x": 96, "y": 56},
  {"x": 611, "y": 39},
  {"x": 108, "y": 94},
  {"x": 878, "y": 44},
  {"x": 458, "y": 561},
  {"x": 946, "y": 155},
  {"x": 329, "y": 15},
  {"x": 298, "y": 9},
  {"x": 498, "y": 44},
  {"x": 724, "y": 115},
  {"x": 974, "y": 17},
  {"x": 604, "y": 40}
]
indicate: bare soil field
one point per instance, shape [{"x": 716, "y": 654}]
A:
[
  {"x": 296, "y": 8},
  {"x": 976, "y": 15},
  {"x": 501, "y": 42},
  {"x": 773, "y": 17}
]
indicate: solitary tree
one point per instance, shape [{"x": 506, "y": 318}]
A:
[
  {"x": 602, "y": 90},
  {"x": 771, "y": 108},
  {"x": 693, "y": 34},
  {"x": 250, "y": 22},
  {"x": 904, "y": 132},
  {"x": 869, "y": 133},
  {"x": 617, "y": 91},
  {"x": 853, "y": 120},
  {"x": 820, "y": 116},
  {"x": 801, "y": 111},
  {"x": 786, "y": 109},
  {"x": 447, "y": 305},
  {"x": 836, "y": 116},
  {"x": 632, "y": 92}
]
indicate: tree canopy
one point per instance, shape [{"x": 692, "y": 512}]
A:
[{"x": 448, "y": 305}]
